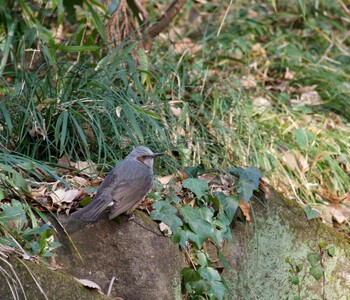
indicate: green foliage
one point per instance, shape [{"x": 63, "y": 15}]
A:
[
  {"x": 21, "y": 231},
  {"x": 331, "y": 251},
  {"x": 17, "y": 170},
  {"x": 229, "y": 204},
  {"x": 311, "y": 213},
  {"x": 248, "y": 181},
  {"x": 317, "y": 271},
  {"x": 295, "y": 279},
  {"x": 204, "y": 280},
  {"x": 193, "y": 226},
  {"x": 197, "y": 186},
  {"x": 165, "y": 212},
  {"x": 68, "y": 99},
  {"x": 313, "y": 258},
  {"x": 316, "y": 260},
  {"x": 303, "y": 138},
  {"x": 65, "y": 120},
  {"x": 85, "y": 107}
]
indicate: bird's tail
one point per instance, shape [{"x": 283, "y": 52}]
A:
[{"x": 91, "y": 212}]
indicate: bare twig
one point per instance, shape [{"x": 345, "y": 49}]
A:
[
  {"x": 145, "y": 227},
  {"x": 110, "y": 286},
  {"x": 162, "y": 23},
  {"x": 142, "y": 10}
]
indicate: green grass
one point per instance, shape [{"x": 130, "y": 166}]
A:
[
  {"x": 200, "y": 105},
  {"x": 92, "y": 108},
  {"x": 263, "y": 45}
]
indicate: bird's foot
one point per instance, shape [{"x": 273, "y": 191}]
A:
[{"x": 131, "y": 217}]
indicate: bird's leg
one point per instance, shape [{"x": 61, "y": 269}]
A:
[
  {"x": 129, "y": 212},
  {"x": 131, "y": 217}
]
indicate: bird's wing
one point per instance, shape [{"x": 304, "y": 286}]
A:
[
  {"x": 91, "y": 212},
  {"x": 135, "y": 182},
  {"x": 123, "y": 187},
  {"x": 102, "y": 200}
]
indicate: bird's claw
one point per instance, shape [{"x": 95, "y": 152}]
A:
[{"x": 132, "y": 217}]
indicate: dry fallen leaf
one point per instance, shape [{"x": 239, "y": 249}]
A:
[
  {"x": 39, "y": 192},
  {"x": 289, "y": 75},
  {"x": 165, "y": 229},
  {"x": 248, "y": 82},
  {"x": 311, "y": 98},
  {"x": 207, "y": 177},
  {"x": 245, "y": 207},
  {"x": 37, "y": 131},
  {"x": 86, "y": 167},
  {"x": 88, "y": 283},
  {"x": 290, "y": 160},
  {"x": 164, "y": 180},
  {"x": 261, "y": 101},
  {"x": 305, "y": 89},
  {"x": 59, "y": 196},
  {"x": 175, "y": 110},
  {"x": 303, "y": 163},
  {"x": 186, "y": 44},
  {"x": 80, "y": 181},
  {"x": 259, "y": 50},
  {"x": 308, "y": 96},
  {"x": 339, "y": 212}
]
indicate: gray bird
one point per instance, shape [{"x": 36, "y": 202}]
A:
[{"x": 123, "y": 188}]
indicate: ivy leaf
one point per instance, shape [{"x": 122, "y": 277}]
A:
[
  {"x": 198, "y": 240},
  {"x": 217, "y": 289},
  {"x": 249, "y": 179},
  {"x": 165, "y": 212},
  {"x": 180, "y": 237},
  {"x": 35, "y": 231},
  {"x": 197, "y": 186},
  {"x": 311, "y": 213},
  {"x": 251, "y": 173},
  {"x": 316, "y": 271},
  {"x": 190, "y": 275},
  {"x": 222, "y": 227},
  {"x": 206, "y": 213},
  {"x": 295, "y": 279},
  {"x": 197, "y": 220},
  {"x": 313, "y": 258},
  {"x": 331, "y": 251},
  {"x": 229, "y": 204},
  {"x": 209, "y": 274},
  {"x": 192, "y": 172},
  {"x": 213, "y": 277},
  {"x": 223, "y": 260},
  {"x": 200, "y": 286},
  {"x": 202, "y": 259},
  {"x": 13, "y": 214}
]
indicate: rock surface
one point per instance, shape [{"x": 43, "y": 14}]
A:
[
  {"x": 144, "y": 263},
  {"x": 279, "y": 230},
  {"x": 31, "y": 281}
]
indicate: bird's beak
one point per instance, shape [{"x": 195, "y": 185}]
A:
[{"x": 157, "y": 154}]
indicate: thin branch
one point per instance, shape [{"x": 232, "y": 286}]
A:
[
  {"x": 142, "y": 10},
  {"x": 165, "y": 20},
  {"x": 162, "y": 23}
]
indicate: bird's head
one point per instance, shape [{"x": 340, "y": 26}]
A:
[{"x": 144, "y": 155}]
